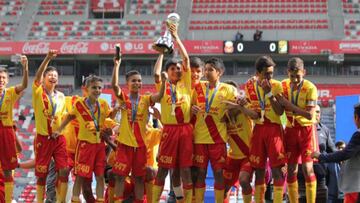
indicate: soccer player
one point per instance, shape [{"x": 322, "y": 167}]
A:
[
  {"x": 299, "y": 100},
  {"x": 176, "y": 145},
  {"x": 239, "y": 129},
  {"x": 91, "y": 113},
  {"x": 8, "y": 97},
  {"x": 49, "y": 107},
  {"x": 210, "y": 134},
  {"x": 267, "y": 139},
  {"x": 131, "y": 148}
]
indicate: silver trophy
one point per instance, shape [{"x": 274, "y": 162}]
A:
[{"x": 165, "y": 44}]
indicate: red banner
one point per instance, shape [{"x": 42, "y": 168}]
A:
[
  {"x": 329, "y": 46},
  {"x": 104, "y": 47}
]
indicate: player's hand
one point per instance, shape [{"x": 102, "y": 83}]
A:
[
  {"x": 156, "y": 113},
  {"x": 195, "y": 109},
  {"x": 24, "y": 61},
  {"x": 242, "y": 101},
  {"x": 266, "y": 86},
  {"x": 284, "y": 102},
  {"x": 105, "y": 134},
  {"x": 160, "y": 51},
  {"x": 315, "y": 155},
  {"x": 116, "y": 61},
  {"x": 173, "y": 30},
  {"x": 51, "y": 54},
  {"x": 54, "y": 135},
  {"x": 164, "y": 76}
]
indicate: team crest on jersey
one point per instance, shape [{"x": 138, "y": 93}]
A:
[
  {"x": 82, "y": 145},
  {"x": 164, "y": 135}
]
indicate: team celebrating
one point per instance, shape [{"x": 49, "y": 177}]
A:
[{"x": 201, "y": 121}]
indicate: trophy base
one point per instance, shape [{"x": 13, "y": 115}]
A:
[{"x": 163, "y": 48}]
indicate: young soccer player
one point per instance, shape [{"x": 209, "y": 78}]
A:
[
  {"x": 299, "y": 100},
  {"x": 91, "y": 113},
  {"x": 49, "y": 107},
  {"x": 239, "y": 129},
  {"x": 8, "y": 97},
  {"x": 210, "y": 134},
  {"x": 131, "y": 148},
  {"x": 267, "y": 139},
  {"x": 176, "y": 144}
]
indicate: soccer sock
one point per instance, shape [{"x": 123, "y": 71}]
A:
[
  {"x": 75, "y": 200},
  {"x": 219, "y": 190},
  {"x": 40, "y": 190},
  {"x": 179, "y": 193},
  {"x": 199, "y": 192},
  {"x": 9, "y": 188},
  {"x": 111, "y": 190},
  {"x": 62, "y": 189},
  {"x": 148, "y": 191},
  {"x": 310, "y": 188},
  {"x": 278, "y": 190},
  {"x": 247, "y": 196},
  {"x": 260, "y": 188},
  {"x": 157, "y": 190},
  {"x": 99, "y": 200},
  {"x": 188, "y": 192},
  {"x": 118, "y": 199},
  {"x": 293, "y": 189}
]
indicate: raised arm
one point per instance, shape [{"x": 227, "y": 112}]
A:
[
  {"x": 184, "y": 55},
  {"x": 157, "y": 97},
  {"x": 157, "y": 68},
  {"x": 115, "y": 78},
  {"x": 39, "y": 73},
  {"x": 21, "y": 87}
]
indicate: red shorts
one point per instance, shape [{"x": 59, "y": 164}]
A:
[
  {"x": 90, "y": 158},
  {"x": 8, "y": 158},
  {"x": 130, "y": 159},
  {"x": 299, "y": 142},
  {"x": 71, "y": 160},
  {"x": 267, "y": 142},
  {"x": 176, "y": 146},
  {"x": 2, "y": 186},
  {"x": 216, "y": 153},
  {"x": 232, "y": 169},
  {"x": 45, "y": 149}
]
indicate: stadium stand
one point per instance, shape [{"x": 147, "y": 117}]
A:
[
  {"x": 11, "y": 8},
  {"x": 258, "y": 6},
  {"x": 10, "y": 11},
  {"x": 351, "y": 9},
  {"x": 152, "y": 6},
  {"x": 62, "y": 7}
]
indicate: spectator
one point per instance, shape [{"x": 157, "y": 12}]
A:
[
  {"x": 333, "y": 171},
  {"x": 349, "y": 180},
  {"x": 239, "y": 36},
  {"x": 258, "y": 35},
  {"x": 326, "y": 142}
]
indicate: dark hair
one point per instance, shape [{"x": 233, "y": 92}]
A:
[
  {"x": 357, "y": 110},
  {"x": 131, "y": 73},
  {"x": 295, "y": 64},
  {"x": 232, "y": 83},
  {"x": 263, "y": 62},
  {"x": 339, "y": 143},
  {"x": 196, "y": 62},
  {"x": 92, "y": 78},
  {"x": 171, "y": 61},
  {"x": 217, "y": 63},
  {"x": 4, "y": 70},
  {"x": 86, "y": 78},
  {"x": 48, "y": 69}
]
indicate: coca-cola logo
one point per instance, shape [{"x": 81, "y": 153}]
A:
[
  {"x": 74, "y": 48},
  {"x": 36, "y": 48}
]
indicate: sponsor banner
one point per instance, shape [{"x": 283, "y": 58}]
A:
[
  {"x": 256, "y": 47},
  {"x": 324, "y": 47},
  {"x": 104, "y": 47}
]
